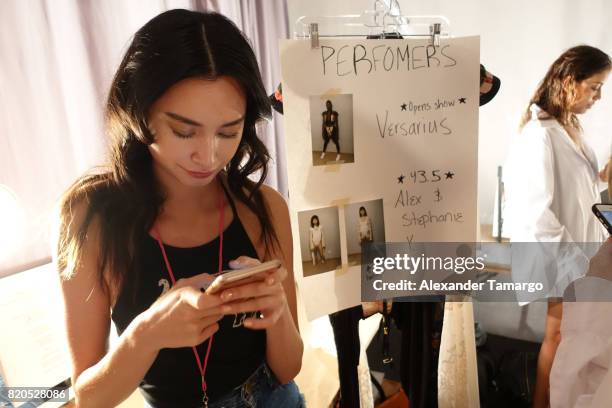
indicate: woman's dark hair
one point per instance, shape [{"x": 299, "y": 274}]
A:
[
  {"x": 553, "y": 94},
  {"x": 312, "y": 220},
  {"x": 173, "y": 46},
  {"x": 364, "y": 211}
]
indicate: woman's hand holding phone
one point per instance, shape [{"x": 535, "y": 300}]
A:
[
  {"x": 184, "y": 316},
  {"x": 187, "y": 314},
  {"x": 266, "y": 295}
]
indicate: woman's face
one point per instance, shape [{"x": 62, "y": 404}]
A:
[
  {"x": 362, "y": 212},
  {"x": 315, "y": 222},
  {"x": 588, "y": 92},
  {"x": 197, "y": 125}
]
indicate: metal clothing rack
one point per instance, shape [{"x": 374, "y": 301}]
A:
[{"x": 384, "y": 20}]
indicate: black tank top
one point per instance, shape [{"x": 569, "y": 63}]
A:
[{"x": 174, "y": 379}]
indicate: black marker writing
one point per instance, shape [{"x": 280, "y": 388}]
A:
[
  {"x": 387, "y": 128},
  {"x": 405, "y": 199},
  {"x": 384, "y": 57},
  {"x": 330, "y": 50},
  {"x": 425, "y": 219},
  {"x": 341, "y": 62},
  {"x": 437, "y": 195},
  {"x": 360, "y": 58},
  {"x": 453, "y": 61}
]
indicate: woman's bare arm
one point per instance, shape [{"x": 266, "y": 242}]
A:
[
  {"x": 284, "y": 347},
  {"x": 100, "y": 377}
]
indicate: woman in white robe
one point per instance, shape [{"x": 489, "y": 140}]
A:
[{"x": 551, "y": 184}]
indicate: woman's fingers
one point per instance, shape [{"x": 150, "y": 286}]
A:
[
  {"x": 252, "y": 305},
  {"x": 189, "y": 295},
  {"x": 202, "y": 280},
  {"x": 208, "y": 320},
  {"x": 202, "y": 304},
  {"x": 210, "y": 311},
  {"x": 243, "y": 262},
  {"x": 253, "y": 289},
  {"x": 196, "y": 281},
  {"x": 264, "y": 322},
  {"x": 206, "y": 301},
  {"x": 281, "y": 273}
]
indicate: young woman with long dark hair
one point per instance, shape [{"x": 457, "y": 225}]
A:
[{"x": 140, "y": 239}]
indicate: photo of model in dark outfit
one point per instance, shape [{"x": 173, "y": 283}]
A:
[
  {"x": 330, "y": 129},
  {"x": 331, "y": 120}
]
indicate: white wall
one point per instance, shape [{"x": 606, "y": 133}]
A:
[
  {"x": 343, "y": 104},
  {"x": 328, "y": 219},
  {"x": 519, "y": 40}
]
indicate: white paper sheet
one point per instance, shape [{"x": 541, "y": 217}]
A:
[{"x": 33, "y": 346}]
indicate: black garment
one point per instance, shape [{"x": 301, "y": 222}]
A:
[
  {"x": 174, "y": 379},
  {"x": 330, "y": 122},
  {"x": 495, "y": 85},
  {"x": 277, "y": 105},
  {"x": 421, "y": 326},
  {"x": 336, "y": 142},
  {"x": 345, "y": 324}
]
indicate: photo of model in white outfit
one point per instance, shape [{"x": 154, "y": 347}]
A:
[
  {"x": 365, "y": 223},
  {"x": 319, "y": 240},
  {"x": 365, "y": 226}
]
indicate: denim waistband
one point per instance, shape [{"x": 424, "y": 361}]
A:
[{"x": 260, "y": 390}]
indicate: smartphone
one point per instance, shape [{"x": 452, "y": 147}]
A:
[
  {"x": 234, "y": 277},
  {"x": 604, "y": 213}
]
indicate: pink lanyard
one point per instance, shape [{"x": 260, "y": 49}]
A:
[{"x": 171, "y": 273}]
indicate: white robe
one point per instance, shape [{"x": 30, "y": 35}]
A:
[{"x": 550, "y": 186}]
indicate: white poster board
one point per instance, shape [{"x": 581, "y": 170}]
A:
[{"x": 412, "y": 152}]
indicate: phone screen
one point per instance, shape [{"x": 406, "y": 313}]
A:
[
  {"x": 604, "y": 214},
  {"x": 608, "y": 216}
]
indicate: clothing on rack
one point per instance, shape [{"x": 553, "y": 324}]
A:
[
  {"x": 421, "y": 327},
  {"x": 345, "y": 325}
]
